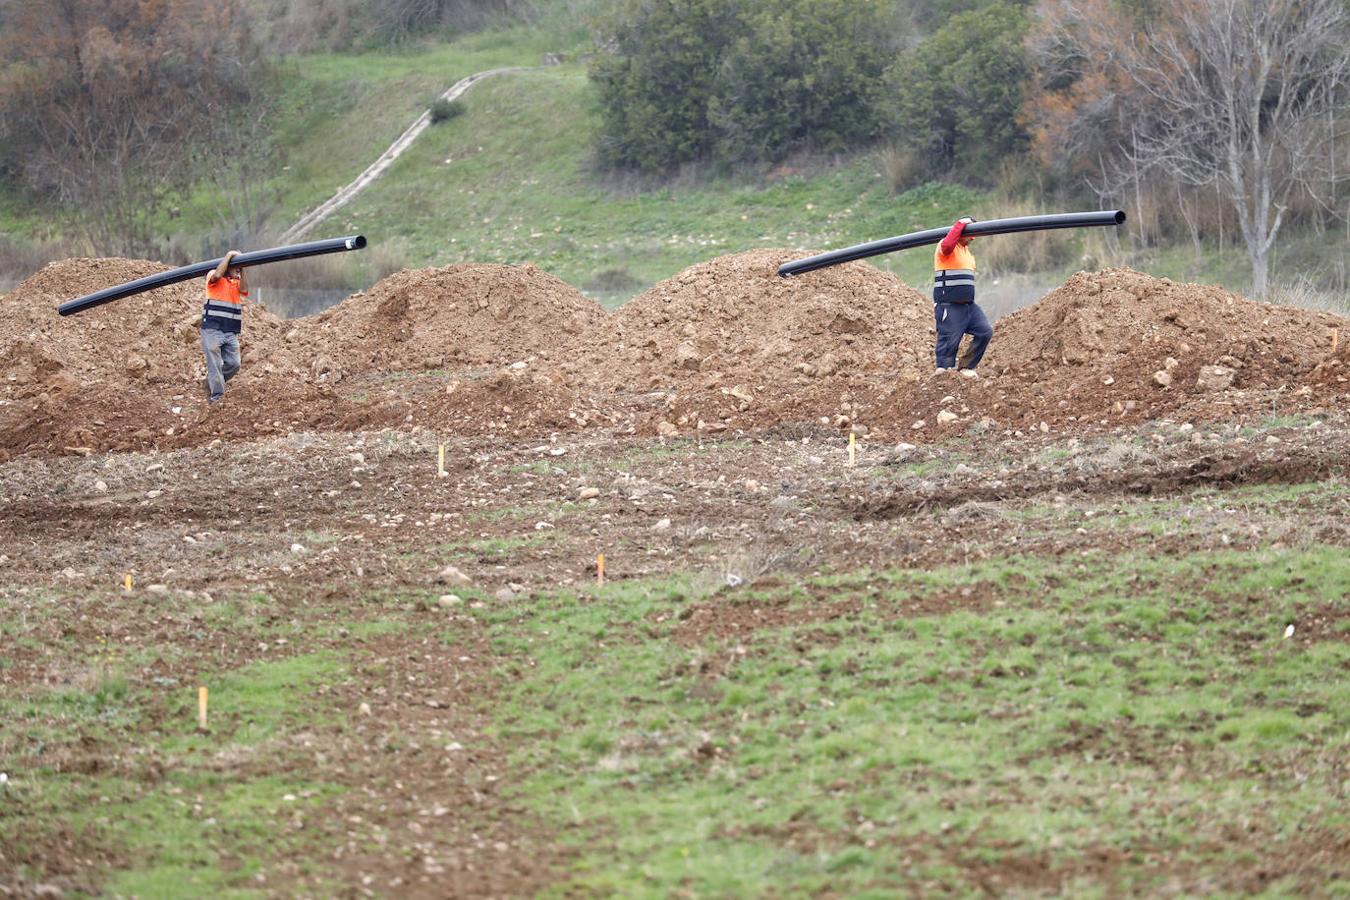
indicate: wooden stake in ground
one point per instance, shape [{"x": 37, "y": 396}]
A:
[
  {"x": 201, "y": 708},
  {"x": 852, "y": 449},
  {"x": 126, "y": 582},
  {"x": 1335, "y": 338},
  {"x": 440, "y": 462},
  {"x": 600, "y": 570}
]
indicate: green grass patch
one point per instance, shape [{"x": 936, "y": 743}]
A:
[
  {"x": 521, "y": 182},
  {"x": 1017, "y": 708},
  {"x": 187, "y": 824}
]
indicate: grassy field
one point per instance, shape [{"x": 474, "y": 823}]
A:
[
  {"x": 512, "y": 181},
  {"x": 1000, "y": 725},
  {"x": 1092, "y": 695}
]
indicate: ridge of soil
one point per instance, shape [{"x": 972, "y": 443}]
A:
[
  {"x": 450, "y": 317},
  {"x": 723, "y": 345},
  {"x": 1120, "y": 347},
  {"x": 733, "y": 342}
]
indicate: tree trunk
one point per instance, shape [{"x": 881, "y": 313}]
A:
[{"x": 1260, "y": 258}]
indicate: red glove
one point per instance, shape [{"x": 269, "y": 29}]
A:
[{"x": 954, "y": 236}]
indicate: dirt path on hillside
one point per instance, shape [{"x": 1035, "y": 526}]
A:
[{"x": 386, "y": 159}]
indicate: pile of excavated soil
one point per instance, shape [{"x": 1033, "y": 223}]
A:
[
  {"x": 140, "y": 340},
  {"x": 452, "y": 317},
  {"x": 128, "y": 374},
  {"x": 1119, "y": 346},
  {"x": 738, "y": 345},
  {"x": 723, "y": 345},
  {"x": 259, "y": 404},
  {"x": 1127, "y": 324},
  {"x": 1332, "y": 375},
  {"x": 507, "y": 402}
]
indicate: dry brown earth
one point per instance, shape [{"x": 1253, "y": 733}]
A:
[
  {"x": 724, "y": 345},
  {"x": 447, "y": 318}
]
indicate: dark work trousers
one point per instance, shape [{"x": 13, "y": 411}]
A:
[{"x": 955, "y": 320}]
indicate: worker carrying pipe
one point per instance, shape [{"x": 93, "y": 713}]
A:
[
  {"x": 954, "y": 308},
  {"x": 222, "y": 323}
]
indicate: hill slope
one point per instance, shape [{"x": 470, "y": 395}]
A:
[{"x": 512, "y": 181}]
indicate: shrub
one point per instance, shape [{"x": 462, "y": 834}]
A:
[
  {"x": 736, "y": 81},
  {"x": 955, "y": 97},
  {"x": 901, "y": 167},
  {"x": 444, "y": 110},
  {"x": 800, "y": 73}
]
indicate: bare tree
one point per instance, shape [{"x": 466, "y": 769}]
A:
[
  {"x": 101, "y": 102},
  {"x": 1236, "y": 94}
]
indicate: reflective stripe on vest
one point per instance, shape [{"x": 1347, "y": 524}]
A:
[
  {"x": 223, "y": 316},
  {"x": 954, "y": 286},
  {"x": 222, "y": 309},
  {"x": 945, "y": 277}
]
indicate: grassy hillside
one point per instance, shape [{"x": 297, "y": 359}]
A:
[
  {"x": 512, "y": 181},
  {"x": 336, "y": 113}
]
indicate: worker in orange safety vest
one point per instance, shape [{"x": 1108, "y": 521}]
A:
[
  {"x": 955, "y": 311},
  {"x": 222, "y": 321}
]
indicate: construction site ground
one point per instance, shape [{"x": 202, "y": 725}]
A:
[{"x": 1088, "y": 633}]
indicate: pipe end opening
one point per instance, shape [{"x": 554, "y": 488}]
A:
[{"x": 1120, "y": 217}]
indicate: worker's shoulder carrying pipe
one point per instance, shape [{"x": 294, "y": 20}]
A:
[
  {"x": 183, "y": 273},
  {"x": 1102, "y": 218}
]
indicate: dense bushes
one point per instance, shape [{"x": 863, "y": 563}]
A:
[
  {"x": 955, "y": 97},
  {"x": 734, "y": 80},
  {"x": 108, "y": 108},
  {"x": 443, "y": 110},
  {"x": 656, "y": 77}
]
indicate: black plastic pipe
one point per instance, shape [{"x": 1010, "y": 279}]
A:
[
  {"x": 934, "y": 235},
  {"x": 183, "y": 273}
]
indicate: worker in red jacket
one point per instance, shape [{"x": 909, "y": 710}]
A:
[{"x": 954, "y": 308}]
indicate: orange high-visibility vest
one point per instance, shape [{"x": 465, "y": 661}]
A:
[{"x": 953, "y": 275}]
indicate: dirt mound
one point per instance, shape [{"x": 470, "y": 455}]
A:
[
  {"x": 65, "y": 417},
  {"x": 128, "y": 374},
  {"x": 1119, "y": 346},
  {"x": 264, "y": 404},
  {"x": 1128, "y": 323},
  {"x": 457, "y": 316},
  {"x": 726, "y": 344},
  {"x": 508, "y": 402},
  {"x": 740, "y": 345},
  {"x": 1332, "y": 375}
]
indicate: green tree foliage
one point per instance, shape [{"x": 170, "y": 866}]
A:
[
  {"x": 732, "y": 80},
  {"x": 955, "y": 97},
  {"x": 931, "y": 14},
  {"x": 656, "y": 77},
  {"x": 800, "y": 72}
]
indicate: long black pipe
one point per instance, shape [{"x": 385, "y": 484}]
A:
[
  {"x": 183, "y": 273},
  {"x": 934, "y": 235}
]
